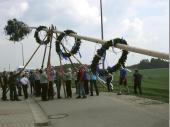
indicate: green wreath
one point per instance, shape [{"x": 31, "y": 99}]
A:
[
  {"x": 37, "y": 38},
  {"x": 74, "y": 49},
  {"x": 103, "y": 49}
]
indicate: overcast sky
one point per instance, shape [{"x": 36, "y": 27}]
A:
[{"x": 142, "y": 23}]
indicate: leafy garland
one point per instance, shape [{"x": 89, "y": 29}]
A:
[
  {"x": 16, "y": 30},
  {"x": 74, "y": 49},
  {"x": 37, "y": 38},
  {"x": 101, "y": 51}
]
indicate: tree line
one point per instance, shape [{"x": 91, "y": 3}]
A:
[
  {"x": 150, "y": 64},
  {"x": 143, "y": 64}
]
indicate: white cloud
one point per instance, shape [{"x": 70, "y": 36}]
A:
[
  {"x": 143, "y": 23},
  {"x": 80, "y": 11},
  {"x": 12, "y": 9}
]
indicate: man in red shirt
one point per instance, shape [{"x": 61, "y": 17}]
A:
[{"x": 81, "y": 82}]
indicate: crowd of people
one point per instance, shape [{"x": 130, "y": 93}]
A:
[{"x": 41, "y": 83}]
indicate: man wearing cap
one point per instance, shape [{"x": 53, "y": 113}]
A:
[{"x": 123, "y": 80}]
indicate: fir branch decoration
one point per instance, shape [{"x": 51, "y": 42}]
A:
[{"x": 16, "y": 30}]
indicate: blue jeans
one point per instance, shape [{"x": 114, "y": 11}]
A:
[{"x": 81, "y": 89}]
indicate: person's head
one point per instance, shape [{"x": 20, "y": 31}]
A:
[
  {"x": 41, "y": 71},
  {"x": 136, "y": 71},
  {"x": 4, "y": 72},
  {"x": 24, "y": 75},
  {"x": 37, "y": 70},
  {"x": 11, "y": 73},
  {"x": 69, "y": 69}
]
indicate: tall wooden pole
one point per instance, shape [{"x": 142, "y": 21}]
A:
[
  {"x": 160, "y": 55},
  {"x": 124, "y": 47}
]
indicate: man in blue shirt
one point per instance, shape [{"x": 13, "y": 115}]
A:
[{"x": 123, "y": 80}]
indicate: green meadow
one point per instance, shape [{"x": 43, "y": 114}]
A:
[{"x": 155, "y": 83}]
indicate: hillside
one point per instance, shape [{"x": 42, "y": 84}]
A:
[
  {"x": 155, "y": 83},
  {"x": 153, "y": 63}
]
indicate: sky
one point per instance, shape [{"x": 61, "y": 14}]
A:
[{"x": 142, "y": 23}]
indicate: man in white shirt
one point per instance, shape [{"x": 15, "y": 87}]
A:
[{"x": 25, "y": 82}]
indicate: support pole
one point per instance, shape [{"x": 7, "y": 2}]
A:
[
  {"x": 73, "y": 67},
  {"x": 29, "y": 59},
  {"x": 73, "y": 56},
  {"x": 44, "y": 57}
]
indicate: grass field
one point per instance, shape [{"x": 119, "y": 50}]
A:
[{"x": 155, "y": 83}]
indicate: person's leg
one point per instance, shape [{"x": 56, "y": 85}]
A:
[
  {"x": 15, "y": 94},
  {"x": 52, "y": 90},
  {"x": 11, "y": 93},
  {"x": 84, "y": 84},
  {"x": 79, "y": 89},
  {"x": 59, "y": 89},
  {"x": 120, "y": 85},
  {"x": 31, "y": 87},
  {"x": 26, "y": 91},
  {"x": 82, "y": 89},
  {"x": 19, "y": 89},
  {"x": 76, "y": 85},
  {"x": 58, "y": 85},
  {"x": 126, "y": 85},
  {"x": 140, "y": 89},
  {"x": 135, "y": 88},
  {"x": 86, "y": 88},
  {"x": 107, "y": 82},
  {"x": 43, "y": 92},
  {"x": 91, "y": 87},
  {"x": 69, "y": 88},
  {"x": 36, "y": 88},
  {"x": 4, "y": 89},
  {"x": 23, "y": 90},
  {"x": 96, "y": 87}
]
